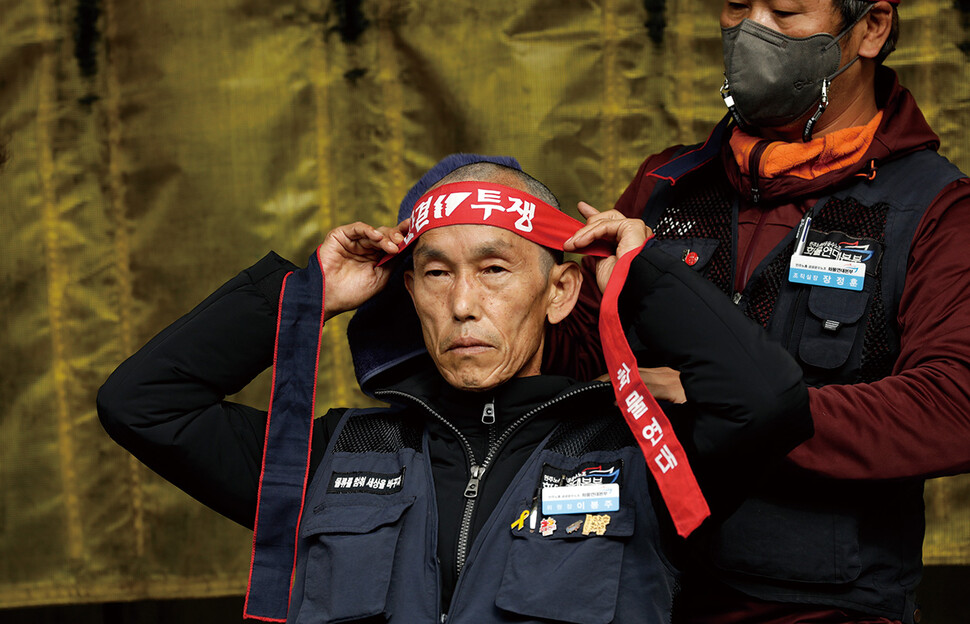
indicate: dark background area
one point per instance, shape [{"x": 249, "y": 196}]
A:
[{"x": 944, "y": 598}]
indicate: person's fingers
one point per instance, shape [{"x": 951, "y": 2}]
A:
[
  {"x": 586, "y": 210},
  {"x": 360, "y": 239},
  {"x": 358, "y": 231},
  {"x": 599, "y": 225},
  {"x": 602, "y": 229},
  {"x": 392, "y": 238},
  {"x": 592, "y": 214}
]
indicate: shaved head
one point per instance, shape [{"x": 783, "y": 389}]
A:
[{"x": 500, "y": 174}]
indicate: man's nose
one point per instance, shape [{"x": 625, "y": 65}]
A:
[{"x": 465, "y": 299}]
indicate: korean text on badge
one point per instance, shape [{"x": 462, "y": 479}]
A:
[{"x": 570, "y": 499}]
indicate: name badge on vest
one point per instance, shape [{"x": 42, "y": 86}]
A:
[
  {"x": 572, "y": 499},
  {"x": 588, "y": 488},
  {"x": 831, "y": 259}
]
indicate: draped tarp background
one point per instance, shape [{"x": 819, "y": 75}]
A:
[{"x": 157, "y": 148}]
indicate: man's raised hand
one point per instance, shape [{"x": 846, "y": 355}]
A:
[
  {"x": 349, "y": 257},
  {"x": 613, "y": 226}
]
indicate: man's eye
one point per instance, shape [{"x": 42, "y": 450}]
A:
[
  {"x": 434, "y": 273},
  {"x": 495, "y": 269}
]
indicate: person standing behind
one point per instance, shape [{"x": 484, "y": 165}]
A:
[{"x": 819, "y": 204}]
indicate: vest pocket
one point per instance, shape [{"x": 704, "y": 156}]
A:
[
  {"x": 832, "y": 326},
  {"x": 787, "y": 542},
  {"x": 565, "y": 577},
  {"x": 350, "y": 556}
]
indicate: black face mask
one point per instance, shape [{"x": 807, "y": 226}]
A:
[{"x": 771, "y": 79}]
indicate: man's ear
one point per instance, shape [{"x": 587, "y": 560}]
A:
[
  {"x": 878, "y": 24},
  {"x": 565, "y": 281},
  {"x": 409, "y": 282}
]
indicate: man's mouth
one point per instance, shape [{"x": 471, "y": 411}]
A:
[{"x": 467, "y": 345}]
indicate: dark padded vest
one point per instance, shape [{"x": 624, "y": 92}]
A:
[
  {"x": 799, "y": 538},
  {"x": 367, "y": 541}
]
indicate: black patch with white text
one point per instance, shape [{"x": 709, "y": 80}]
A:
[
  {"x": 840, "y": 246},
  {"x": 366, "y": 483}
]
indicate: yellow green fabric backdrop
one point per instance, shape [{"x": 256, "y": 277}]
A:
[{"x": 157, "y": 148}]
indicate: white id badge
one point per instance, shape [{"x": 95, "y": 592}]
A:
[
  {"x": 825, "y": 272},
  {"x": 571, "y": 499}
]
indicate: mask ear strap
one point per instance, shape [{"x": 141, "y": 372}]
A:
[
  {"x": 827, "y": 82},
  {"x": 824, "y": 102},
  {"x": 848, "y": 28},
  {"x": 729, "y": 102}
]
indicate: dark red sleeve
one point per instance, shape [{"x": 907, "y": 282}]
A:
[
  {"x": 572, "y": 347},
  {"x": 916, "y": 422}
]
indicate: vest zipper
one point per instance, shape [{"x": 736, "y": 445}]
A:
[
  {"x": 474, "y": 481},
  {"x": 742, "y": 277},
  {"x": 754, "y": 172},
  {"x": 754, "y": 169},
  {"x": 477, "y": 472},
  {"x": 488, "y": 413}
]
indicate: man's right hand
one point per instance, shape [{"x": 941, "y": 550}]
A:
[
  {"x": 349, "y": 257},
  {"x": 612, "y": 226},
  {"x": 663, "y": 383}
]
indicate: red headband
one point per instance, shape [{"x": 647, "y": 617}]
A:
[{"x": 486, "y": 203}]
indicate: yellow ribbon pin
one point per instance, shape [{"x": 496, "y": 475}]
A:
[{"x": 520, "y": 523}]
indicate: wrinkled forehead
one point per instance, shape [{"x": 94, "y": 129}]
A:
[{"x": 472, "y": 242}]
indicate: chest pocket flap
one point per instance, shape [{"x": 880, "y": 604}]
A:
[
  {"x": 566, "y": 577},
  {"x": 834, "y": 323},
  {"x": 350, "y": 556},
  {"x": 353, "y": 518}
]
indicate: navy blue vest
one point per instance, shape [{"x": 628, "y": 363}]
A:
[
  {"x": 367, "y": 540},
  {"x": 799, "y": 538}
]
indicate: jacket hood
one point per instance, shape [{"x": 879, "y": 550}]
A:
[
  {"x": 384, "y": 334},
  {"x": 902, "y": 130}
]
